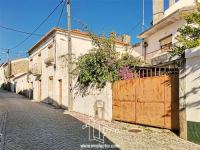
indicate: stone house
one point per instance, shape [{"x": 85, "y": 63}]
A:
[
  {"x": 13, "y": 69},
  {"x": 48, "y": 72}
]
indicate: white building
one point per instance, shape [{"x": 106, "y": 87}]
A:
[
  {"x": 189, "y": 96},
  {"x": 48, "y": 68},
  {"x": 2, "y": 75},
  {"x": 157, "y": 42},
  {"x": 158, "y": 39}
]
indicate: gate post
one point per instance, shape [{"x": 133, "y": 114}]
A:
[{"x": 182, "y": 103}]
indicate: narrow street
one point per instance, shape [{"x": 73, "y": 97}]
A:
[
  {"x": 38, "y": 126},
  {"x": 26, "y": 125}
]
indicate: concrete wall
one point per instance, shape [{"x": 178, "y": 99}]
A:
[
  {"x": 21, "y": 84},
  {"x": 190, "y": 96},
  {"x": 136, "y": 51},
  {"x": 193, "y": 84},
  {"x": 88, "y": 104},
  {"x": 2, "y": 76},
  {"x": 58, "y": 71}
]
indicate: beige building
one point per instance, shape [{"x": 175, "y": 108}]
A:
[
  {"x": 11, "y": 70},
  {"x": 158, "y": 39},
  {"x": 48, "y": 72},
  {"x": 20, "y": 84}
]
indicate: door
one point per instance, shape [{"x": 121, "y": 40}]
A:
[
  {"x": 31, "y": 90},
  {"x": 50, "y": 90},
  {"x": 39, "y": 90},
  {"x": 60, "y": 92}
]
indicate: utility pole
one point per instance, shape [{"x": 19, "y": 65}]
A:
[
  {"x": 70, "y": 102},
  {"x": 142, "y": 15},
  {"x": 7, "y": 52},
  {"x": 9, "y": 63}
]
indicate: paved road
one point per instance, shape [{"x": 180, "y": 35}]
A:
[{"x": 34, "y": 126}]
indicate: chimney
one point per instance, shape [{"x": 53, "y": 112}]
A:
[
  {"x": 158, "y": 10},
  {"x": 171, "y": 2},
  {"x": 126, "y": 39}
]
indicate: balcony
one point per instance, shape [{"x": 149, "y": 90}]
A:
[
  {"x": 49, "y": 60},
  {"x": 36, "y": 69}
]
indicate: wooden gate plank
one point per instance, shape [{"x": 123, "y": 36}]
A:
[{"x": 150, "y": 101}]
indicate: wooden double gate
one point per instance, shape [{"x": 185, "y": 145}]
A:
[{"x": 152, "y": 101}]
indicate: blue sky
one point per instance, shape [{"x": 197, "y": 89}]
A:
[{"x": 101, "y": 16}]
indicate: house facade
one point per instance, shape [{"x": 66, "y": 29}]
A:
[
  {"x": 12, "y": 69},
  {"x": 159, "y": 39},
  {"x": 2, "y": 76},
  {"x": 20, "y": 84},
  {"x": 48, "y": 73},
  {"x": 156, "y": 43}
]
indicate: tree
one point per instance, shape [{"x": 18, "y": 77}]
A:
[
  {"x": 103, "y": 64},
  {"x": 189, "y": 35}
]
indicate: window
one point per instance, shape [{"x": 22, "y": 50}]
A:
[
  {"x": 50, "y": 51},
  {"x": 166, "y": 43}
]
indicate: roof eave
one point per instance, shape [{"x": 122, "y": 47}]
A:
[{"x": 163, "y": 21}]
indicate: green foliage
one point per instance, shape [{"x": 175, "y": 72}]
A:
[
  {"x": 189, "y": 35},
  {"x": 101, "y": 64}
]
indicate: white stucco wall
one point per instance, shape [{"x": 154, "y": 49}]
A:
[
  {"x": 2, "y": 76},
  {"x": 21, "y": 84},
  {"x": 192, "y": 84},
  {"x": 153, "y": 40},
  {"x": 80, "y": 46},
  {"x": 87, "y": 104},
  {"x": 136, "y": 51},
  {"x": 178, "y": 5}
]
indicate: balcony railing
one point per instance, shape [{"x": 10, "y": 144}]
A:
[{"x": 36, "y": 69}]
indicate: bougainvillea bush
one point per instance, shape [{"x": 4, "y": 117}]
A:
[{"x": 103, "y": 64}]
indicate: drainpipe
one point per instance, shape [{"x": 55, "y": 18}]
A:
[
  {"x": 144, "y": 47},
  {"x": 54, "y": 41}
]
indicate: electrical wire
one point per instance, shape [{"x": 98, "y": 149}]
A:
[
  {"x": 134, "y": 27},
  {"x": 61, "y": 14},
  {"x": 20, "y": 43},
  {"x": 19, "y": 31},
  {"x": 3, "y": 48}
]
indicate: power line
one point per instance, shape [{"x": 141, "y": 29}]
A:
[
  {"x": 19, "y": 31},
  {"x": 20, "y": 43},
  {"x": 134, "y": 27},
  {"x": 3, "y": 48},
  {"x": 61, "y": 13}
]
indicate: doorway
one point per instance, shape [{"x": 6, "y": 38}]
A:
[
  {"x": 60, "y": 92},
  {"x": 40, "y": 90},
  {"x": 31, "y": 90},
  {"x": 50, "y": 90}
]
